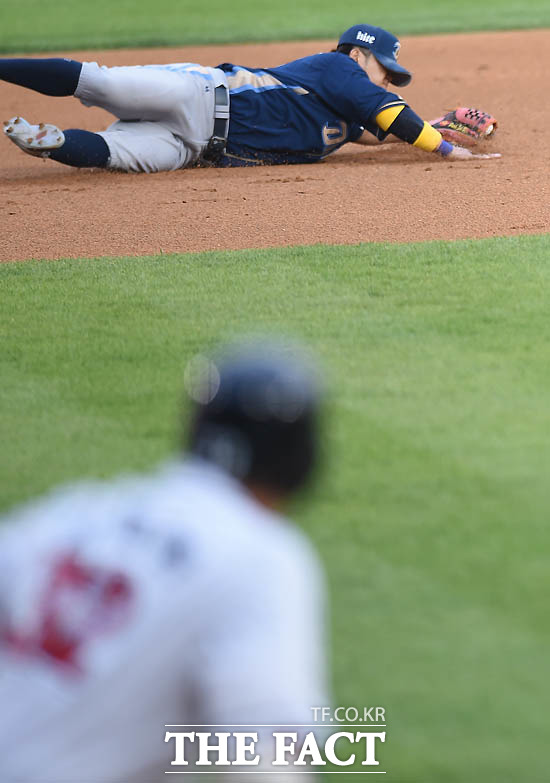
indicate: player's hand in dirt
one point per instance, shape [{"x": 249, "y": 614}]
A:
[{"x": 461, "y": 153}]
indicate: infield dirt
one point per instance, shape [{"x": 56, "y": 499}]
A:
[{"x": 393, "y": 193}]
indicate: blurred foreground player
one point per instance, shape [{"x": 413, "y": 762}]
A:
[{"x": 181, "y": 597}]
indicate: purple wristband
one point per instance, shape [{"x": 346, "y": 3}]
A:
[{"x": 445, "y": 148}]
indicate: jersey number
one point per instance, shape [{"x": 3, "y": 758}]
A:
[
  {"x": 336, "y": 134},
  {"x": 78, "y": 602}
]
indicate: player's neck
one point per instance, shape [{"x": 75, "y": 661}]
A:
[{"x": 266, "y": 496}]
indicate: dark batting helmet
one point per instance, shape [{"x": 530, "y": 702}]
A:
[{"x": 255, "y": 413}]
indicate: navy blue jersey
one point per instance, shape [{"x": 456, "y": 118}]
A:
[{"x": 299, "y": 112}]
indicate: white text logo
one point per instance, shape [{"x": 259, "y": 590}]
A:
[{"x": 366, "y": 37}]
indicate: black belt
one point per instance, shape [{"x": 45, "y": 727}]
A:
[{"x": 216, "y": 146}]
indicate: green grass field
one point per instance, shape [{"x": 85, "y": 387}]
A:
[
  {"x": 432, "y": 513},
  {"x": 32, "y": 25}
]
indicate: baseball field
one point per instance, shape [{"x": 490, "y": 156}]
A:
[{"x": 422, "y": 286}]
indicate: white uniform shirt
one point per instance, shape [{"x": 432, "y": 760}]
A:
[{"x": 129, "y": 605}]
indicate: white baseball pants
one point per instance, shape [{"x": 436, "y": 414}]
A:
[{"x": 165, "y": 112}]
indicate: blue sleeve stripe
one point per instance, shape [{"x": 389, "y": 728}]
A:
[{"x": 264, "y": 88}]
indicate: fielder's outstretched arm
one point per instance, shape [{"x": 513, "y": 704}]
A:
[{"x": 406, "y": 125}]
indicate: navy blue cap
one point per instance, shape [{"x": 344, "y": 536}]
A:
[{"x": 384, "y": 46}]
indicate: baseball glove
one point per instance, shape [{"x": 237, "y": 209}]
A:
[{"x": 465, "y": 126}]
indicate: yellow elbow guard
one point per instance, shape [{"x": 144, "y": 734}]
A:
[
  {"x": 429, "y": 138},
  {"x": 387, "y": 116}
]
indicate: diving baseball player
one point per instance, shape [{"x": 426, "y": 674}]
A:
[
  {"x": 174, "y": 116},
  {"x": 179, "y": 599}
]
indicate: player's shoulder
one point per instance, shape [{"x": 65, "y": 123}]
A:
[
  {"x": 235, "y": 525},
  {"x": 53, "y": 504},
  {"x": 193, "y": 501},
  {"x": 336, "y": 61},
  {"x": 225, "y": 502},
  {"x": 322, "y": 61},
  {"x": 280, "y": 552},
  {"x": 82, "y": 505}
]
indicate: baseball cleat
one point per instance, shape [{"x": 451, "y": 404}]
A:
[{"x": 36, "y": 140}]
